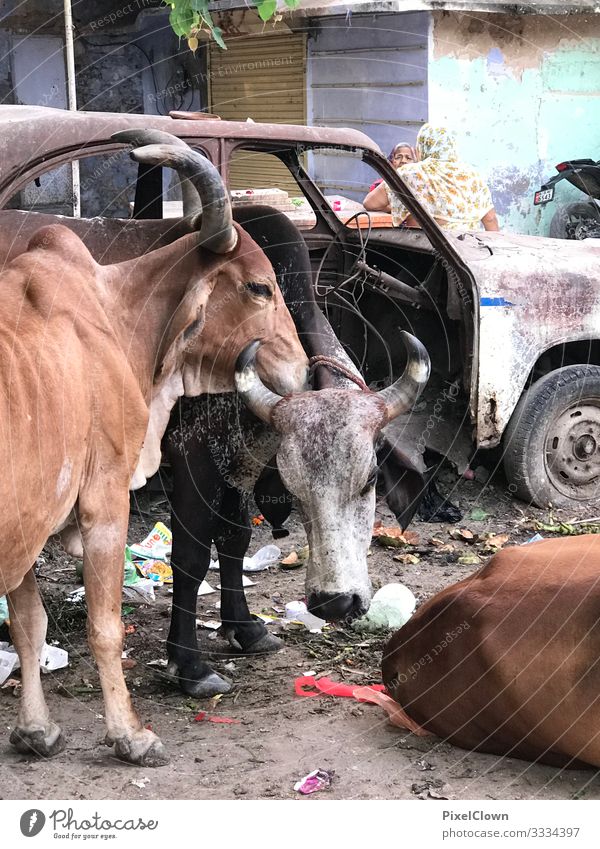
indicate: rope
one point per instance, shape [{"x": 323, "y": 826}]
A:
[{"x": 331, "y": 362}]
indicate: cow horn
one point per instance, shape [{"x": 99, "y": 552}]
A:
[
  {"x": 140, "y": 137},
  {"x": 402, "y": 394},
  {"x": 216, "y": 232},
  {"x": 260, "y": 400}
]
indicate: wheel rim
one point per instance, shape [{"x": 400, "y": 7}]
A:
[{"x": 572, "y": 450}]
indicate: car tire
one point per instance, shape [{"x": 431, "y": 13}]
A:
[
  {"x": 565, "y": 217},
  {"x": 552, "y": 442}
]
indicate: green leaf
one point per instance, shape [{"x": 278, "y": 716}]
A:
[
  {"x": 182, "y": 18},
  {"x": 266, "y": 9},
  {"x": 200, "y": 6},
  {"x": 292, "y": 4},
  {"x": 217, "y": 34}
]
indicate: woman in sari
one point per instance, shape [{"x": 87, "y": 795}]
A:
[
  {"x": 401, "y": 154},
  {"x": 453, "y": 193}
]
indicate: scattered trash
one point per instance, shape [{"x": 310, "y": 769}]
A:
[
  {"x": 266, "y": 618},
  {"x": 210, "y": 624},
  {"x": 218, "y": 720},
  {"x": 391, "y": 607},
  {"x": 205, "y": 588},
  {"x": 9, "y": 661},
  {"x": 258, "y": 520},
  {"x": 12, "y": 684},
  {"x": 156, "y": 546},
  {"x": 394, "y": 537},
  {"x": 295, "y": 559},
  {"x": 534, "y": 538},
  {"x": 134, "y": 587},
  {"x": 160, "y": 662},
  {"x": 76, "y": 595},
  {"x": 140, "y": 782},
  {"x": 3, "y": 610},
  {"x": 51, "y": 658},
  {"x": 318, "y": 779},
  {"x": 478, "y": 514},
  {"x": 296, "y": 611},
  {"x": 130, "y": 629},
  {"x": 155, "y": 570},
  {"x": 128, "y": 663},
  {"x": 307, "y": 685},
  {"x": 266, "y": 556}
]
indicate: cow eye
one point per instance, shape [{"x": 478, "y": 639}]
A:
[
  {"x": 370, "y": 483},
  {"x": 260, "y": 289}
]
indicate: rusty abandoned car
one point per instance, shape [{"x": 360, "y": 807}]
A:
[{"x": 489, "y": 307}]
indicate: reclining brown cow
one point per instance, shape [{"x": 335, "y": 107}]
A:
[
  {"x": 508, "y": 660},
  {"x": 93, "y": 359}
]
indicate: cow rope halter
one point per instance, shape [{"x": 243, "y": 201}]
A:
[{"x": 336, "y": 365}]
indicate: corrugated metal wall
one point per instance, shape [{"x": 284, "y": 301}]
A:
[
  {"x": 368, "y": 72},
  {"x": 260, "y": 77}
]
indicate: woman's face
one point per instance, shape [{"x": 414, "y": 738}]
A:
[{"x": 402, "y": 155}]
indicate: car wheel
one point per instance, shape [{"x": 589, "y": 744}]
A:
[
  {"x": 576, "y": 221},
  {"x": 552, "y": 442}
]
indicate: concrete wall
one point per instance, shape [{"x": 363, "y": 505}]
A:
[{"x": 523, "y": 93}]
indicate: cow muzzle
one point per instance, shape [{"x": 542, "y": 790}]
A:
[{"x": 336, "y": 607}]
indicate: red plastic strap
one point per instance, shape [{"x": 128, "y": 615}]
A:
[{"x": 326, "y": 687}]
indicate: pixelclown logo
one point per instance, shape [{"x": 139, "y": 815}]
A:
[{"x": 32, "y": 822}]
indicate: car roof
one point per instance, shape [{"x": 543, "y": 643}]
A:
[{"x": 30, "y": 133}]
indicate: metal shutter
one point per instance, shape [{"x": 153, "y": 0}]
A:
[{"x": 260, "y": 77}]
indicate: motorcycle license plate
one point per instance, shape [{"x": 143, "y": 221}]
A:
[{"x": 543, "y": 196}]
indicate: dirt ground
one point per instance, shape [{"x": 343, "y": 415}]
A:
[{"x": 280, "y": 737}]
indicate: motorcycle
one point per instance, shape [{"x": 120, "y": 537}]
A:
[{"x": 574, "y": 220}]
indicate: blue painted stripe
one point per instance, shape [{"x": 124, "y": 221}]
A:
[{"x": 496, "y": 302}]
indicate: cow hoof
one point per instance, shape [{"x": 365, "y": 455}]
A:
[
  {"x": 44, "y": 743},
  {"x": 266, "y": 643},
  {"x": 143, "y": 748},
  {"x": 206, "y": 687}
]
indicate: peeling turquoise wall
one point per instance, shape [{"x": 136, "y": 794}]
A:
[{"x": 521, "y": 100}]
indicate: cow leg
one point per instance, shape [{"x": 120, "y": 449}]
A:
[
  {"x": 245, "y": 633},
  {"x": 35, "y": 731},
  {"x": 103, "y": 556},
  {"x": 190, "y": 558}
]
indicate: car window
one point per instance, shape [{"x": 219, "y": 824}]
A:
[
  {"x": 107, "y": 188},
  {"x": 256, "y": 177},
  {"x": 345, "y": 180}
]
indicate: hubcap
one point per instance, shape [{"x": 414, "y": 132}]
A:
[{"x": 572, "y": 451}]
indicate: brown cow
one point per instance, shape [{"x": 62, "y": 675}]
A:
[
  {"x": 92, "y": 360},
  {"x": 508, "y": 660}
]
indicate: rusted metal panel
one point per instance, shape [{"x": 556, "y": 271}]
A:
[
  {"x": 30, "y": 134},
  {"x": 534, "y": 293}
]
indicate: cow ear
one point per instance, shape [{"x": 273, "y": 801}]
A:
[
  {"x": 181, "y": 333},
  {"x": 402, "y": 483},
  {"x": 183, "y": 330}
]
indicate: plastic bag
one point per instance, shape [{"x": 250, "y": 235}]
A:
[
  {"x": 391, "y": 607},
  {"x": 3, "y": 609}
]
